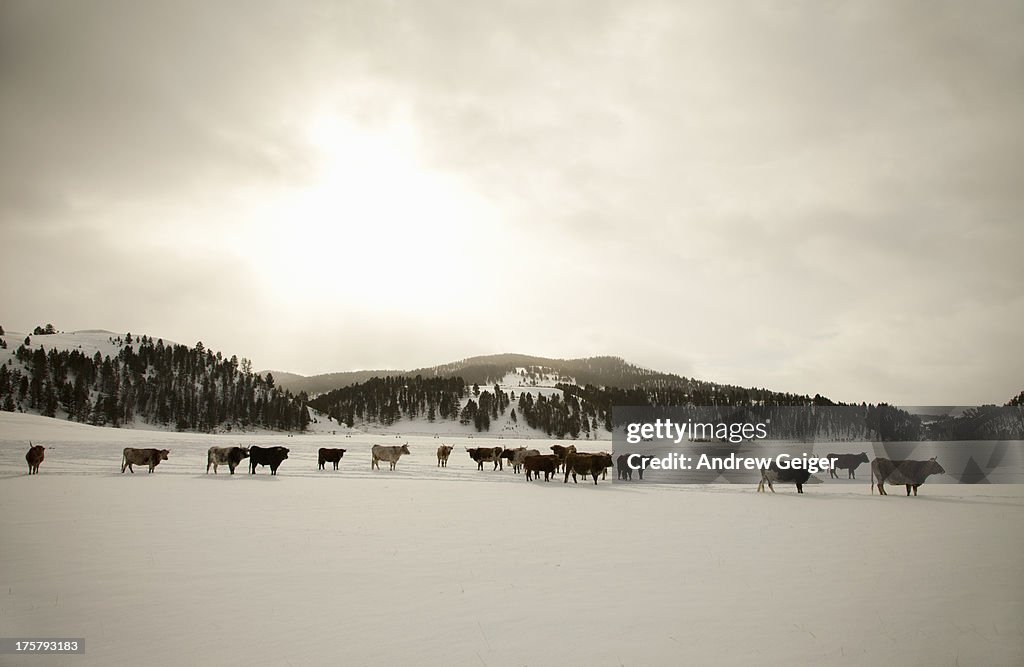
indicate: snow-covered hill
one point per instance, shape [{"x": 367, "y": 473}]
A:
[{"x": 86, "y": 341}]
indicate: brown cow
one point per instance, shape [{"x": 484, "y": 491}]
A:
[
  {"x": 142, "y": 457},
  {"x": 34, "y": 458},
  {"x": 443, "y": 452},
  {"x": 560, "y": 452},
  {"x": 583, "y": 463},
  {"x": 910, "y": 473}
]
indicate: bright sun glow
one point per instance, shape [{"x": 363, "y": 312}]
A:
[{"x": 375, "y": 216}]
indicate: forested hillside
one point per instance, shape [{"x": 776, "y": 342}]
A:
[{"x": 144, "y": 380}]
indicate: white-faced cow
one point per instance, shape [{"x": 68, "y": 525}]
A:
[
  {"x": 486, "y": 455},
  {"x": 389, "y": 453},
  {"x": 848, "y": 462},
  {"x": 773, "y": 473},
  {"x": 328, "y": 455},
  {"x": 266, "y": 456},
  {"x": 34, "y": 457},
  {"x": 519, "y": 456},
  {"x": 142, "y": 457},
  {"x": 911, "y": 473},
  {"x": 232, "y": 456},
  {"x": 443, "y": 452}
]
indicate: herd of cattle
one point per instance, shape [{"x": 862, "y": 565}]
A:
[{"x": 563, "y": 459}]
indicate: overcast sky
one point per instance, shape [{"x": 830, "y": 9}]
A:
[{"x": 807, "y": 196}]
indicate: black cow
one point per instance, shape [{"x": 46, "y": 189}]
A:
[
  {"x": 232, "y": 456},
  {"x": 911, "y": 473},
  {"x": 327, "y": 455},
  {"x": 486, "y": 454},
  {"x": 266, "y": 456},
  {"x": 848, "y": 462},
  {"x": 773, "y": 473},
  {"x": 142, "y": 457},
  {"x": 625, "y": 472},
  {"x": 539, "y": 463},
  {"x": 34, "y": 457}
]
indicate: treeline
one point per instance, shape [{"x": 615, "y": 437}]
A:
[
  {"x": 986, "y": 422},
  {"x": 389, "y": 399},
  {"x": 561, "y": 416},
  {"x": 601, "y": 400},
  {"x": 191, "y": 389}
]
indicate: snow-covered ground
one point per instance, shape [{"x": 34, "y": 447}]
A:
[{"x": 453, "y": 566}]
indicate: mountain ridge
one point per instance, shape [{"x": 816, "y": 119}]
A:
[{"x": 485, "y": 369}]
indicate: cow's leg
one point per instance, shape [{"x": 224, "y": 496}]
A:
[
  {"x": 595, "y": 477},
  {"x": 908, "y": 489},
  {"x": 881, "y": 489},
  {"x": 231, "y": 468},
  {"x": 915, "y": 490},
  {"x": 208, "y": 467},
  {"x": 799, "y": 488}
]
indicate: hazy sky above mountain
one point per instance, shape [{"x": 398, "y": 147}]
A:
[{"x": 809, "y": 196}]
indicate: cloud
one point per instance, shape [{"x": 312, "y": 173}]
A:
[{"x": 809, "y": 197}]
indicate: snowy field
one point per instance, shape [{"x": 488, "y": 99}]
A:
[{"x": 428, "y": 566}]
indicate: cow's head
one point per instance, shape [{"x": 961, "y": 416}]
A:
[
  {"x": 932, "y": 467},
  {"x": 163, "y": 454},
  {"x": 863, "y": 458},
  {"x": 283, "y": 451},
  {"x": 341, "y": 452},
  {"x": 405, "y": 449}
]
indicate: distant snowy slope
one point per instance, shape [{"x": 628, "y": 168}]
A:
[{"x": 86, "y": 341}]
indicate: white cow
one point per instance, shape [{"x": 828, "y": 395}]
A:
[{"x": 519, "y": 456}]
